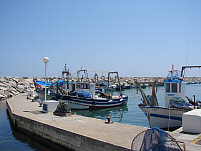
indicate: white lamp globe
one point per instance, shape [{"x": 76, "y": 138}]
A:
[{"x": 46, "y": 59}]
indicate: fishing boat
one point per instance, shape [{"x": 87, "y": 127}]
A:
[
  {"x": 114, "y": 87},
  {"x": 40, "y": 89},
  {"x": 83, "y": 95},
  {"x": 170, "y": 116},
  {"x": 125, "y": 86}
]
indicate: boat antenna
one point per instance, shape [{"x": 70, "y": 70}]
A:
[
  {"x": 172, "y": 71},
  {"x": 186, "y": 56},
  {"x": 187, "y": 52}
]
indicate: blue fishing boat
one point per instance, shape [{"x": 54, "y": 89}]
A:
[{"x": 40, "y": 88}]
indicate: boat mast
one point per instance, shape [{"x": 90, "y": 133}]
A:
[
  {"x": 172, "y": 72},
  {"x": 95, "y": 77},
  {"x": 118, "y": 81},
  {"x": 65, "y": 71},
  {"x": 154, "y": 101}
]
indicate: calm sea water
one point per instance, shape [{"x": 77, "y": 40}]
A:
[{"x": 11, "y": 139}]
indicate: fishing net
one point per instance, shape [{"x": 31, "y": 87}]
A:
[
  {"x": 178, "y": 102},
  {"x": 155, "y": 139},
  {"x": 63, "y": 109}
]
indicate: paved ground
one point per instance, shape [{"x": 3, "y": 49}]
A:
[
  {"x": 197, "y": 141},
  {"x": 191, "y": 140}
]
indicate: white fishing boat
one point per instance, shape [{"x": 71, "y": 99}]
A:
[
  {"x": 40, "y": 89},
  {"x": 83, "y": 95},
  {"x": 169, "y": 116}
]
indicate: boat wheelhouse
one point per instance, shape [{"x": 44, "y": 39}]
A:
[{"x": 174, "y": 86}]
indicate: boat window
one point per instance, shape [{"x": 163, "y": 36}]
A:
[
  {"x": 88, "y": 86},
  {"x": 167, "y": 87},
  {"x": 174, "y": 87},
  {"x": 84, "y": 85},
  {"x": 78, "y": 86},
  {"x": 179, "y": 87}
]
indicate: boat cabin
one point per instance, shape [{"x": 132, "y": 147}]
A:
[
  {"x": 81, "y": 87},
  {"x": 69, "y": 86},
  {"x": 174, "y": 86}
]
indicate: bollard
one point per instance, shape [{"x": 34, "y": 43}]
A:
[{"x": 108, "y": 120}]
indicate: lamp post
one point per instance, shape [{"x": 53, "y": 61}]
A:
[{"x": 45, "y": 60}]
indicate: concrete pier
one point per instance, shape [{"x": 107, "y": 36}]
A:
[
  {"x": 74, "y": 132},
  {"x": 82, "y": 133}
]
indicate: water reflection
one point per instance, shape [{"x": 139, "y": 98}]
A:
[
  {"x": 116, "y": 113},
  {"x": 30, "y": 141},
  {"x": 14, "y": 139}
]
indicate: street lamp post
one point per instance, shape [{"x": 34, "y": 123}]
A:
[{"x": 45, "y": 60}]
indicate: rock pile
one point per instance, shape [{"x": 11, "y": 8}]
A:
[{"x": 10, "y": 86}]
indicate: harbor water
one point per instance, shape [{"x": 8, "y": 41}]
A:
[{"x": 10, "y": 139}]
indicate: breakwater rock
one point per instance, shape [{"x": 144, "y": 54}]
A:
[{"x": 11, "y": 86}]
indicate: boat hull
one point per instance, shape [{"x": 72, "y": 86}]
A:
[
  {"x": 42, "y": 96},
  {"x": 87, "y": 103},
  {"x": 163, "y": 118}
]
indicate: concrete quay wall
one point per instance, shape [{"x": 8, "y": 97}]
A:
[
  {"x": 65, "y": 138},
  {"x": 93, "y": 134}
]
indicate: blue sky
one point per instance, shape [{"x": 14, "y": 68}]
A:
[{"x": 133, "y": 37}]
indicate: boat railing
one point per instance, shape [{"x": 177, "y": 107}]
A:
[
  {"x": 82, "y": 78},
  {"x": 185, "y": 67}
]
